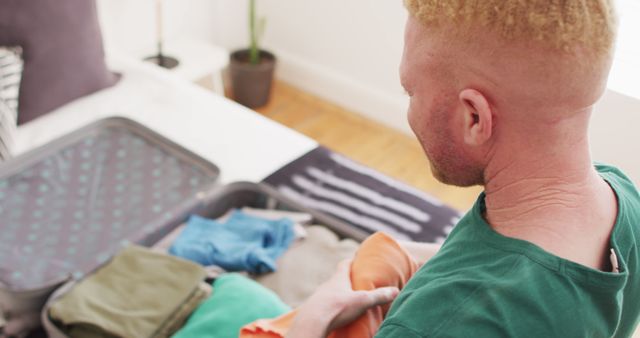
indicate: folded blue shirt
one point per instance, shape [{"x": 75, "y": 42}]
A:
[{"x": 242, "y": 243}]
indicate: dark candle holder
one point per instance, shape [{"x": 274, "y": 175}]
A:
[
  {"x": 160, "y": 59},
  {"x": 163, "y": 61}
]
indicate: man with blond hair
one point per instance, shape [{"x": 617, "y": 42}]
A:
[{"x": 501, "y": 92}]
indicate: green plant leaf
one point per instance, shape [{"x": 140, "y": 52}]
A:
[{"x": 254, "y": 49}]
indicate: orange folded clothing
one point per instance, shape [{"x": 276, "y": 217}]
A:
[
  {"x": 379, "y": 262},
  {"x": 269, "y": 328}
]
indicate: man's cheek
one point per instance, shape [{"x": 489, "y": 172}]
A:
[
  {"x": 416, "y": 118},
  {"x": 412, "y": 114},
  {"x": 411, "y": 118}
]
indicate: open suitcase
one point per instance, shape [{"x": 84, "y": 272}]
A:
[{"x": 67, "y": 207}]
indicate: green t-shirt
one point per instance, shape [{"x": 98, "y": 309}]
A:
[{"x": 483, "y": 284}]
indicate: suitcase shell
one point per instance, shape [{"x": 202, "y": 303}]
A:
[
  {"x": 263, "y": 196},
  {"x": 108, "y": 169},
  {"x": 223, "y": 199}
]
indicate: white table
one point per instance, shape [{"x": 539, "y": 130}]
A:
[
  {"x": 199, "y": 59},
  {"x": 245, "y": 145}
]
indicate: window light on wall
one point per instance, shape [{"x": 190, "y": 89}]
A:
[{"x": 625, "y": 72}]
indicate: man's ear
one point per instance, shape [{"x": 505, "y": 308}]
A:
[{"x": 478, "y": 117}]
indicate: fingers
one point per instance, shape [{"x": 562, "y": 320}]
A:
[
  {"x": 343, "y": 271},
  {"x": 382, "y": 296},
  {"x": 363, "y": 299},
  {"x": 344, "y": 265}
]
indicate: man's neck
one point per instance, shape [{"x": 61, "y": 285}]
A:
[{"x": 554, "y": 199}]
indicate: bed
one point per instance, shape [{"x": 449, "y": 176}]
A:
[{"x": 243, "y": 144}]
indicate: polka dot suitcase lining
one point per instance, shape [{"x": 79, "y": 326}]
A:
[{"x": 67, "y": 207}]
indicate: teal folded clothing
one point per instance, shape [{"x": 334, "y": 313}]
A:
[
  {"x": 241, "y": 243},
  {"x": 236, "y": 301}
]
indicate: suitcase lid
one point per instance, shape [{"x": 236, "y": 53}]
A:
[{"x": 67, "y": 207}]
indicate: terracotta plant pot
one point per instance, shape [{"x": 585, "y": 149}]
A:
[{"x": 251, "y": 84}]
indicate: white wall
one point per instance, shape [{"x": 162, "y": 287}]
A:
[
  {"x": 626, "y": 68},
  {"x": 348, "y": 51},
  {"x": 345, "y": 51},
  {"x": 614, "y": 134},
  {"x": 130, "y": 25}
]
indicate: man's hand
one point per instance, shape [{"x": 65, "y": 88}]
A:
[{"x": 335, "y": 304}]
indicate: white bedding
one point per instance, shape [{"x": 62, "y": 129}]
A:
[{"x": 244, "y": 144}]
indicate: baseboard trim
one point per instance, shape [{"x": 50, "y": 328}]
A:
[{"x": 353, "y": 95}]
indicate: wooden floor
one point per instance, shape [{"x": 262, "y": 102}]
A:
[{"x": 382, "y": 148}]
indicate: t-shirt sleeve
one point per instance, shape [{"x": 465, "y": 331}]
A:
[
  {"x": 396, "y": 331},
  {"x": 483, "y": 312},
  {"x": 452, "y": 309},
  {"x": 477, "y": 328}
]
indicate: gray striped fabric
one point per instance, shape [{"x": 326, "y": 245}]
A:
[
  {"x": 11, "y": 66},
  {"x": 7, "y": 129},
  {"x": 367, "y": 199},
  {"x": 10, "y": 75}
]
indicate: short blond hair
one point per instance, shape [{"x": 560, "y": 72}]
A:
[{"x": 561, "y": 24}]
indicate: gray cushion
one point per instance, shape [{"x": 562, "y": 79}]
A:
[{"x": 62, "y": 52}]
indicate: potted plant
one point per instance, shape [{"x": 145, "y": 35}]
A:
[{"x": 251, "y": 69}]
